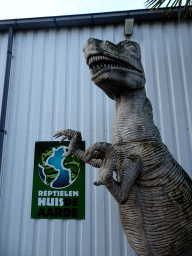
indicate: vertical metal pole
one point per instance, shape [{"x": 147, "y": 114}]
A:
[{"x": 5, "y": 91}]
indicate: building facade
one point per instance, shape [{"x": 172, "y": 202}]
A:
[{"x": 50, "y": 89}]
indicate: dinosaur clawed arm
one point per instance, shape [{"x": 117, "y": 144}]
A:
[
  {"x": 73, "y": 148},
  {"x": 103, "y": 156},
  {"x": 108, "y": 160},
  {"x": 131, "y": 168}
]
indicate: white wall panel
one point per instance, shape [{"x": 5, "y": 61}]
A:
[
  {"x": 3, "y": 55},
  {"x": 51, "y": 89}
]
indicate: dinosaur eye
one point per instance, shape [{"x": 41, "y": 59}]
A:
[{"x": 132, "y": 48}]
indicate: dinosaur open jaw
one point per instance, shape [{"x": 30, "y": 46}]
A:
[{"x": 97, "y": 63}]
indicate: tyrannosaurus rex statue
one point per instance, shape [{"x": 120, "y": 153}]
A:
[{"x": 153, "y": 191}]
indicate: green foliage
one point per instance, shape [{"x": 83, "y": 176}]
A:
[{"x": 183, "y": 11}]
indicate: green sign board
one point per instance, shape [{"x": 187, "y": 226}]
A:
[{"x": 58, "y": 183}]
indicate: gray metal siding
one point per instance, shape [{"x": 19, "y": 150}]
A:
[
  {"x": 3, "y": 55},
  {"x": 51, "y": 89}
]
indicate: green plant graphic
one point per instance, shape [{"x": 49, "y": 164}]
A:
[
  {"x": 73, "y": 164},
  {"x": 50, "y": 172}
]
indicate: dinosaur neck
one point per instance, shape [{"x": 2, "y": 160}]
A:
[
  {"x": 133, "y": 119},
  {"x": 130, "y": 103}
]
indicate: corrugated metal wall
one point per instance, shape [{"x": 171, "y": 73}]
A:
[
  {"x": 3, "y": 54},
  {"x": 51, "y": 89}
]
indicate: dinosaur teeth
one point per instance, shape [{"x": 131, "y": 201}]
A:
[
  {"x": 98, "y": 62},
  {"x": 103, "y": 61}
]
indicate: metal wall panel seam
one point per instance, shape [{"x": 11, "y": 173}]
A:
[
  {"x": 5, "y": 161},
  {"x": 156, "y": 100},
  {"x": 186, "y": 88},
  {"x": 173, "y": 99},
  {"x": 4, "y": 37},
  {"x": 16, "y": 160},
  {"x": 25, "y": 192},
  {"x": 166, "y": 98},
  {"x": 50, "y": 73},
  {"x": 5, "y": 92},
  {"x": 181, "y": 110},
  {"x": 59, "y": 102},
  {"x": 181, "y": 105},
  {"x": 6, "y": 198},
  {"x": 37, "y": 230},
  {"x": 24, "y": 138},
  {"x": 3, "y": 53},
  {"x": 36, "y": 117},
  {"x": 87, "y": 134},
  {"x": 159, "y": 91},
  {"x": 52, "y": 223},
  {"x": 169, "y": 136},
  {"x": 72, "y": 123},
  {"x": 189, "y": 29}
]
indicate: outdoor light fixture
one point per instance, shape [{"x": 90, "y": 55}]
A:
[{"x": 129, "y": 23}]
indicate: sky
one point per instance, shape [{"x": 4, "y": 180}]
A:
[{"x": 15, "y": 9}]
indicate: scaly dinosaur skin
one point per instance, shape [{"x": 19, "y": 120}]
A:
[{"x": 153, "y": 191}]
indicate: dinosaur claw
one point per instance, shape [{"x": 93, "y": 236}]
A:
[
  {"x": 57, "y": 134},
  {"x": 73, "y": 136},
  {"x": 63, "y": 138}
]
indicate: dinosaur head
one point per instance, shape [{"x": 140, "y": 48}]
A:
[{"x": 115, "y": 68}]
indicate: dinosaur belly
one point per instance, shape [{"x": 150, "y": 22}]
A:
[
  {"x": 157, "y": 218},
  {"x": 130, "y": 221},
  {"x": 155, "y": 226}
]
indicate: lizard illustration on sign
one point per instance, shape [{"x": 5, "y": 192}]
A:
[{"x": 153, "y": 191}]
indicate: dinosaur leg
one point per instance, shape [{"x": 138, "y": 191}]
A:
[{"x": 75, "y": 140}]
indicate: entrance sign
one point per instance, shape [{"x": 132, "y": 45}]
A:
[{"x": 58, "y": 183}]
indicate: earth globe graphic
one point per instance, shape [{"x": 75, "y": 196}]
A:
[{"x": 55, "y": 170}]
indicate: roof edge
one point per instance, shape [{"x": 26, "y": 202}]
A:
[{"x": 86, "y": 19}]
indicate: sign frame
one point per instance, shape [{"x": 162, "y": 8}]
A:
[{"x": 49, "y": 202}]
